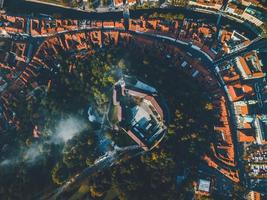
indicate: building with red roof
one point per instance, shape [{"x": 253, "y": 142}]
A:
[
  {"x": 249, "y": 66},
  {"x": 139, "y": 112},
  {"x": 117, "y": 3},
  {"x": 238, "y": 91}
]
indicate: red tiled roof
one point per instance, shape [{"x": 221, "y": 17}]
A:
[
  {"x": 137, "y": 140},
  {"x": 243, "y": 137},
  {"x": 155, "y": 104}
]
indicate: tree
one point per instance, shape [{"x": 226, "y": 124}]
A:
[{"x": 59, "y": 173}]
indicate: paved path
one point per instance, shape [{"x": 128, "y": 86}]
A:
[{"x": 109, "y": 159}]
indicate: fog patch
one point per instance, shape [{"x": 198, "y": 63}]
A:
[
  {"x": 8, "y": 162},
  {"x": 67, "y": 129},
  {"x": 33, "y": 154}
]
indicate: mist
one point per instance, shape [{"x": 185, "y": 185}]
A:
[
  {"x": 32, "y": 154},
  {"x": 65, "y": 130},
  {"x": 7, "y": 162}
]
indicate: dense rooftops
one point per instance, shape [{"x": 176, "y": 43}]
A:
[
  {"x": 143, "y": 121},
  {"x": 245, "y": 81},
  {"x": 249, "y": 66}
]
